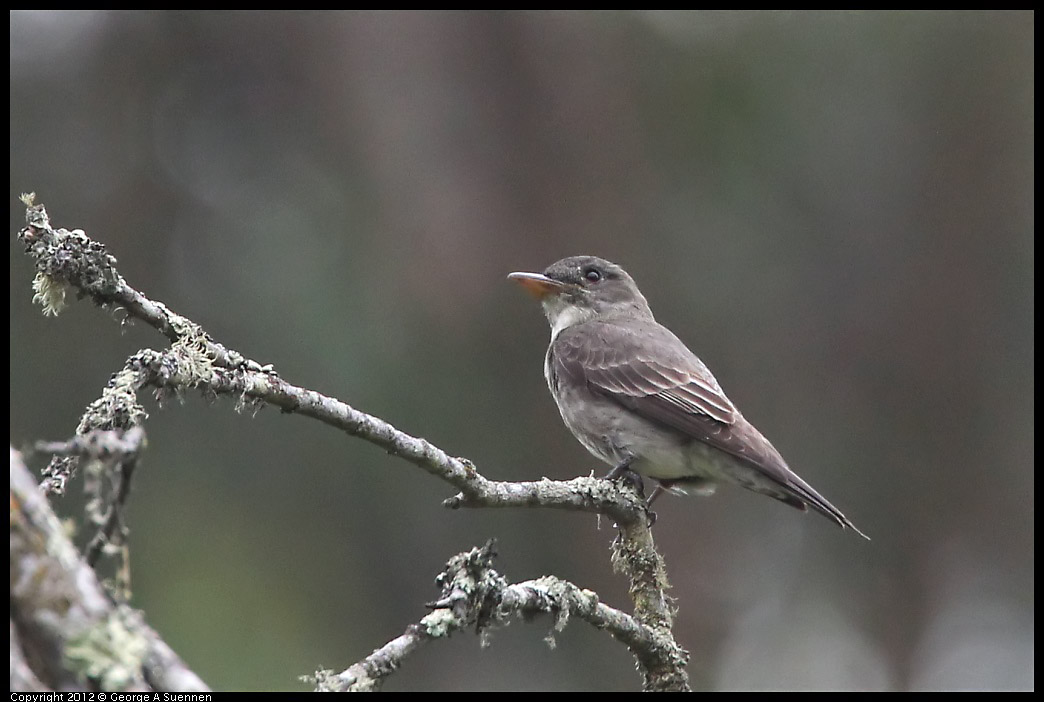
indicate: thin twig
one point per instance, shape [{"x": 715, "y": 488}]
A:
[{"x": 120, "y": 450}]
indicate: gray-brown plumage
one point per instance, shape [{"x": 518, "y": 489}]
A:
[{"x": 639, "y": 399}]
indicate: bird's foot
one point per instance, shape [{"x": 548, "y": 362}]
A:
[
  {"x": 623, "y": 473},
  {"x": 620, "y": 469},
  {"x": 627, "y": 476}
]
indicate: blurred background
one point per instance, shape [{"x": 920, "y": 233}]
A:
[{"x": 834, "y": 210}]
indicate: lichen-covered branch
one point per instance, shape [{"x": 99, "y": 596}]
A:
[
  {"x": 475, "y": 596},
  {"x": 66, "y": 625},
  {"x": 195, "y": 360},
  {"x": 71, "y": 260},
  {"x": 111, "y": 459}
]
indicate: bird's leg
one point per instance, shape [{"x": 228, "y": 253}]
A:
[
  {"x": 662, "y": 486},
  {"x": 657, "y": 491}
]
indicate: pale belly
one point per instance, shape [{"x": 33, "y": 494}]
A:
[{"x": 614, "y": 435}]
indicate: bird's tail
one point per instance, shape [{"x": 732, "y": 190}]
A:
[{"x": 801, "y": 495}]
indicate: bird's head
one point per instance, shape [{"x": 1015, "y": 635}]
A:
[{"x": 579, "y": 289}]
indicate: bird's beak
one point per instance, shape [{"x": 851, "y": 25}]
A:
[{"x": 537, "y": 285}]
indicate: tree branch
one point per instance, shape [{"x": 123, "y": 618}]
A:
[
  {"x": 195, "y": 360},
  {"x": 475, "y": 595},
  {"x": 66, "y": 625},
  {"x": 112, "y": 456}
]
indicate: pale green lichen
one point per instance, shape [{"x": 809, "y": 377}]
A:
[
  {"x": 49, "y": 293},
  {"x": 440, "y": 623},
  {"x": 192, "y": 350},
  {"x": 117, "y": 407},
  {"x": 325, "y": 680},
  {"x": 109, "y": 652}
]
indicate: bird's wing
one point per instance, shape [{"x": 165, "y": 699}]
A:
[{"x": 647, "y": 369}]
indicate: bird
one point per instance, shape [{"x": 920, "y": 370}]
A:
[{"x": 637, "y": 398}]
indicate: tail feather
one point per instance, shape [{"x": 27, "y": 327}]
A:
[{"x": 801, "y": 492}]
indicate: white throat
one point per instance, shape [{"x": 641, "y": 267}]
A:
[{"x": 564, "y": 316}]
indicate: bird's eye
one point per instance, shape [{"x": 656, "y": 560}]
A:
[{"x": 592, "y": 275}]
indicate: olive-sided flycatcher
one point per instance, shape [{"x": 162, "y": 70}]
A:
[{"x": 636, "y": 397}]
